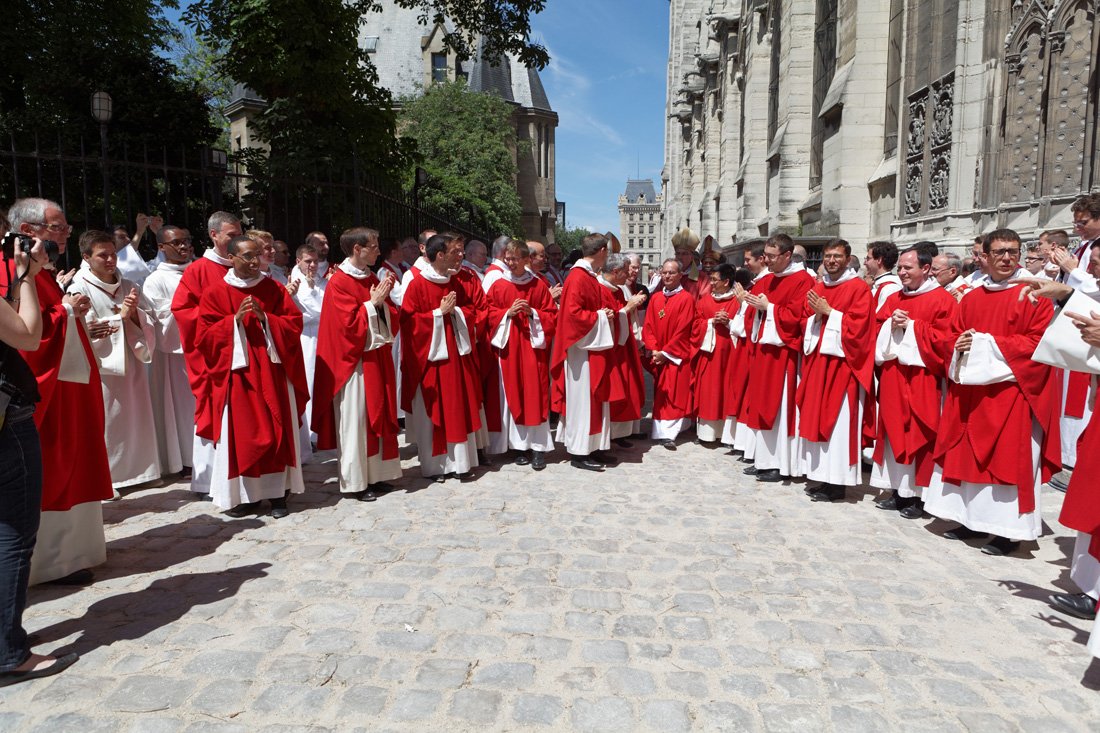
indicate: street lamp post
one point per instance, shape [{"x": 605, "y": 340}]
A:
[
  {"x": 421, "y": 177},
  {"x": 101, "y": 113}
]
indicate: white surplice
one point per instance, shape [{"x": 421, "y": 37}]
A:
[
  {"x": 130, "y": 431},
  {"x": 309, "y": 299},
  {"x": 173, "y": 400}
]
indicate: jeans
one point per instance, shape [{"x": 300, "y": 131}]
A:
[{"x": 20, "y": 510}]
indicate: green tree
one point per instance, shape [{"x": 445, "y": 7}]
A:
[
  {"x": 56, "y": 53},
  {"x": 466, "y": 142},
  {"x": 569, "y": 239}
]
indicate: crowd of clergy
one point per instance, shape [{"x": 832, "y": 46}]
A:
[{"x": 233, "y": 367}]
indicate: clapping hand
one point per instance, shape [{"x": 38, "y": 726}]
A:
[
  {"x": 759, "y": 302},
  {"x": 380, "y": 291},
  {"x": 292, "y": 287},
  {"x": 129, "y": 306},
  {"x": 818, "y": 304},
  {"x": 79, "y": 303},
  {"x": 555, "y": 292},
  {"x": 65, "y": 277},
  {"x": 100, "y": 329}
]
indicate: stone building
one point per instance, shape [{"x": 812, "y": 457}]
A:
[
  {"x": 640, "y": 221},
  {"x": 410, "y": 55},
  {"x": 878, "y": 119}
]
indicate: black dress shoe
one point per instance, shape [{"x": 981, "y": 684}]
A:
[
  {"x": 668, "y": 444},
  {"x": 523, "y": 459},
  {"x": 623, "y": 443},
  {"x": 1078, "y": 605},
  {"x": 483, "y": 458},
  {"x": 742, "y": 459},
  {"x": 913, "y": 510},
  {"x": 586, "y": 464},
  {"x": 79, "y": 577},
  {"x": 963, "y": 533},
  {"x": 279, "y": 508},
  {"x": 243, "y": 510},
  {"x": 465, "y": 476},
  {"x": 769, "y": 476},
  {"x": 890, "y": 503},
  {"x": 60, "y": 664},
  {"x": 365, "y": 495},
  {"x": 827, "y": 492},
  {"x": 538, "y": 460},
  {"x": 1001, "y": 546},
  {"x": 381, "y": 488},
  {"x": 439, "y": 479},
  {"x": 604, "y": 457},
  {"x": 749, "y": 471}
]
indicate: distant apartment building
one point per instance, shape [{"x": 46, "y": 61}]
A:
[{"x": 640, "y": 221}]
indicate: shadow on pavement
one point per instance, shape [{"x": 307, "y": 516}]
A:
[{"x": 133, "y": 615}]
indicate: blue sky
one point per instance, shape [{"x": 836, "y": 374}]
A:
[{"x": 606, "y": 81}]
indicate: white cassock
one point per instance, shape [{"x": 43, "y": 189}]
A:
[
  {"x": 129, "y": 429},
  {"x": 173, "y": 400},
  {"x": 1071, "y": 427},
  {"x": 357, "y": 469},
  {"x": 512, "y": 435},
  {"x": 574, "y": 427},
  {"x": 131, "y": 266},
  {"x": 829, "y": 462},
  {"x": 309, "y": 299},
  {"x": 277, "y": 274},
  {"x": 992, "y": 508},
  {"x": 226, "y": 492}
]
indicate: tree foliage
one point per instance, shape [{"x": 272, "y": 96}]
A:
[
  {"x": 56, "y": 53},
  {"x": 569, "y": 239},
  {"x": 466, "y": 142}
]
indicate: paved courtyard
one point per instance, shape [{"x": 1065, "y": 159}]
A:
[{"x": 671, "y": 593}]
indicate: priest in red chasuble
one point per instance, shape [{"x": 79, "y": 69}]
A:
[
  {"x": 744, "y": 348},
  {"x": 441, "y": 387},
  {"x": 627, "y": 391},
  {"x": 211, "y": 267},
  {"x": 669, "y": 337},
  {"x": 998, "y": 438},
  {"x": 249, "y": 334},
  {"x": 354, "y": 384},
  {"x": 713, "y": 388},
  {"x": 837, "y": 375},
  {"x": 522, "y": 318},
  {"x": 777, "y": 333},
  {"x": 581, "y": 361},
  {"x": 910, "y": 386}
]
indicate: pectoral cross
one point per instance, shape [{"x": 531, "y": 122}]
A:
[{"x": 661, "y": 313}]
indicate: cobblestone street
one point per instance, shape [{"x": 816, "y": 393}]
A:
[{"x": 667, "y": 594}]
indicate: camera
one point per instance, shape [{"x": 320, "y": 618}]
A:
[{"x": 25, "y": 244}]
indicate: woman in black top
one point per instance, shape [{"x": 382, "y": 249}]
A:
[{"x": 20, "y": 464}]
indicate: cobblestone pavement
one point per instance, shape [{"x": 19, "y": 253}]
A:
[{"x": 669, "y": 594}]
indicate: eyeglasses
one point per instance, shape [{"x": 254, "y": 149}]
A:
[
  {"x": 54, "y": 228},
  {"x": 1011, "y": 253},
  {"x": 1082, "y": 222},
  {"x": 246, "y": 257},
  {"x": 1033, "y": 259},
  {"x": 178, "y": 243}
]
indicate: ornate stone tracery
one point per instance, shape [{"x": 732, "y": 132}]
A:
[{"x": 928, "y": 147}]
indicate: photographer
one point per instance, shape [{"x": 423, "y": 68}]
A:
[{"x": 20, "y": 461}]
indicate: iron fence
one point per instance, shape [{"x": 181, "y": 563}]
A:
[{"x": 184, "y": 187}]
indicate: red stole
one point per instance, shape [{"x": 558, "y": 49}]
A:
[
  {"x": 524, "y": 370},
  {"x": 263, "y": 425},
  {"x": 341, "y": 340},
  {"x": 828, "y": 380},
  {"x": 1081, "y": 510}
]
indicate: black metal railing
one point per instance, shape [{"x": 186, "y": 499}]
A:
[{"x": 185, "y": 186}]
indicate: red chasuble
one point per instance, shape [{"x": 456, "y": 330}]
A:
[
  {"x": 1081, "y": 510},
  {"x": 774, "y": 367},
  {"x": 744, "y": 353},
  {"x": 341, "y": 339},
  {"x": 524, "y": 370},
  {"x": 263, "y": 425},
  {"x": 198, "y": 276},
  {"x": 451, "y": 388},
  {"x": 627, "y": 379},
  {"x": 909, "y": 397},
  {"x": 985, "y": 430},
  {"x": 670, "y": 327},
  {"x": 69, "y": 416},
  {"x": 714, "y": 376},
  {"x": 828, "y": 380}
]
